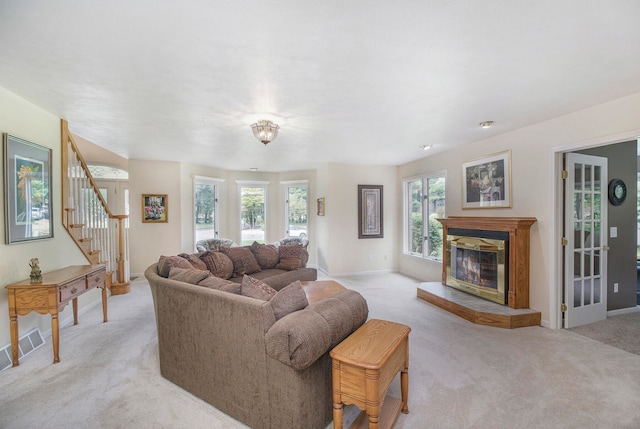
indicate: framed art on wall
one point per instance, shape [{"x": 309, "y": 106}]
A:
[
  {"x": 27, "y": 190},
  {"x": 370, "y": 222},
  {"x": 155, "y": 208},
  {"x": 321, "y": 206},
  {"x": 486, "y": 182}
]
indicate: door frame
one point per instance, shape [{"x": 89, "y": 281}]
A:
[{"x": 557, "y": 207}]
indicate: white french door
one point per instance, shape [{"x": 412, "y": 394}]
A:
[{"x": 585, "y": 214}]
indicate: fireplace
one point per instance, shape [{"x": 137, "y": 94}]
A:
[{"x": 476, "y": 263}]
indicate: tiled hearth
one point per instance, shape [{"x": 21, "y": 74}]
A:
[{"x": 475, "y": 309}]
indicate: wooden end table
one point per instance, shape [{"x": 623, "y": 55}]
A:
[
  {"x": 364, "y": 365},
  {"x": 318, "y": 290}
]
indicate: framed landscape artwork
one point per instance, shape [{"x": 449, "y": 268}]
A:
[
  {"x": 321, "y": 206},
  {"x": 486, "y": 182},
  {"x": 370, "y": 222},
  {"x": 155, "y": 208},
  {"x": 27, "y": 190}
]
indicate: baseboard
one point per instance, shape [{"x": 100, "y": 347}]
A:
[{"x": 623, "y": 311}]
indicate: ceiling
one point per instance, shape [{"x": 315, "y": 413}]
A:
[{"x": 363, "y": 82}]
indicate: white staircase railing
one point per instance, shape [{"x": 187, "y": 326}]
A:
[{"x": 101, "y": 236}]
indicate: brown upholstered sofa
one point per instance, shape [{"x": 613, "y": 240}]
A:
[{"x": 266, "y": 368}]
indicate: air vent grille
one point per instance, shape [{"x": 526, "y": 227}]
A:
[{"x": 26, "y": 344}]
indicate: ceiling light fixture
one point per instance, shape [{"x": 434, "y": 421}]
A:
[
  {"x": 425, "y": 146},
  {"x": 486, "y": 124},
  {"x": 265, "y": 131}
]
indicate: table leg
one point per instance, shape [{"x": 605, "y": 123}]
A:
[
  {"x": 404, "y": 380},
  {"x": 13, "y": 325},
  {"x": 336, "y": 394},
  {"x": 74, "y": 302},
  {"x": 55, "y": 337},
  {"x": 104, "y": 304}
]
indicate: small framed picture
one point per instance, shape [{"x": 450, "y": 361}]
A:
[
  {"x": 155, "y": 208},
  {"x": 321, "y": 206},
  {"x": 486, "y": 182},
  {"x": 370, "y": 222}
]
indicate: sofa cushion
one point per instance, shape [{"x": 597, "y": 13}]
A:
[
  {"x": 289, "y": 299},
  {"x": 301, "y": 337},
  {"x": 190, "y": 275},
  {"x": 243, "y": 260},
  {"x": 218, "y": 263},
  {"x": 166, "y": 262},
  {"x": 195, "y": 261},
  {"x": 213, "y": 282},
  {"x": 290, "y": 257},
  {"x": 254, "y": 288},
  {"x": 266, "y": 254}
]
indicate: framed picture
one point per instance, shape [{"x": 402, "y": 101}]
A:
[
  {"x": 370, "y": 222},
  {"x": 486, "y": 182},
  {"x": 321, "y": 206},
  {"x": 155, "y": 208},
  {"x": 27, "y": 191}
]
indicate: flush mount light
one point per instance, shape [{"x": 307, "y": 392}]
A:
[
  {"x": 425, "y": 146},
  {"x": 486, "y": 124},
  {"x": 265, "y": 131}
]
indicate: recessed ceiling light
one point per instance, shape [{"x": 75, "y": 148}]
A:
[
  {"x": 425, "y": 146},
  {"x": 486, "y": 124},
  {"x": 253, "y": 169}
]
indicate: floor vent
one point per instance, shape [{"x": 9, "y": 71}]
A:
[{"x": 26, "y": 344}]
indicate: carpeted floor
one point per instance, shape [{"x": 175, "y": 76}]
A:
[
  {"x": 461, "y": 375},
  {"x": 622, "y": 331}
]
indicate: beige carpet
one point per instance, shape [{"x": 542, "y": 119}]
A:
[
  {"x": 622, "y": 331},
  {"x": 461, "y": 375}
]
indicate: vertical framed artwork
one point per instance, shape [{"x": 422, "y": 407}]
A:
[
  {"x": 27, "y": 190},
  {"x": 155, "y": 208},
  {"x": 370, "y": 209},
  {"x": 321, "y": 206},
  {"x": 486, "y": 182}
]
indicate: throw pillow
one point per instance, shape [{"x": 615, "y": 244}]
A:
[
  {"x": 289, "y": 299},
  {"x": 195, "y": 260},
  {"x": 266, "y": 254},
  {"x": 166, "y": 262},
  {"x": 290, "y": 257},
  {"x": 214, "y": 282},
  {"x": 190, "y": 275},
  {"x": 254, "y": 288},
  {"x": 218, "y": 263},
  {"x": 243, "y": 260}
]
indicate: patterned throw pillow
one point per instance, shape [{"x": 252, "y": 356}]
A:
[
  {"x": 166, "y": 262},
  {"x": 254, "y": 288},
  {"x": 290, "y": 257},
  {"x": 243, "y": 260},
  {"x": 266, "y": 254},
  {"x": 214, "y": 282},
  {"x": 289, "y": 299},
  {"x": 218, "y": 263},
  {"x": 190, "y": 275},
  {"x": 195, "y": 260}
]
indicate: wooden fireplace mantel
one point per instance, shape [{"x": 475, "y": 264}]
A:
[{"x": 519, "y": 253}]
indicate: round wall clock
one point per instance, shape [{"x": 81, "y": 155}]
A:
[{"x": 617, "y": 192}]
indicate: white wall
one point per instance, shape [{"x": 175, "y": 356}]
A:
[
  {"x": 534, "y": 184},
  {"x": 27, "y": 121}
]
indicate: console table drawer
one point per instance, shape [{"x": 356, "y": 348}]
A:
[
  {"x": 97, "y": 279},
  {"x": 72, "y": 289}
]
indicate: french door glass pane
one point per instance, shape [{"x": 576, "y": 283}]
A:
[
  {"x": 297, "y": 211},
  {"x": 204, "y": 210}
]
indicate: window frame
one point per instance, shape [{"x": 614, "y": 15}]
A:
[
  {"x": 215, "y": 182},
  {"x": 253, "y": 184},
  {"x": 426, "y": 213}
]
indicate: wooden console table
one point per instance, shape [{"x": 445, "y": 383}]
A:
[
  {"x": 364, "y": 365},
  {"x": 51, "y": 296}
]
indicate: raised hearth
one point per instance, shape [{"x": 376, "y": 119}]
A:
[{"x": 477, "y": 310}]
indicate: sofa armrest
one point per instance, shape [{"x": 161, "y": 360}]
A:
[{"x": 301, "y": 337}]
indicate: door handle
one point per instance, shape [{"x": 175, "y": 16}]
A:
[{"x": 605, "y": 248}]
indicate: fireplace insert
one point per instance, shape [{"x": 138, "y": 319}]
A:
[{"x": 477, "y": 264}]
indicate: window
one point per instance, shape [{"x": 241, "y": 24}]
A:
[
  {"x": 206, "y": 222},
  {"x": 253, "y": 197},
  {"x": 296, "y": 208},
  {"x": 424, "y": 199}
]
